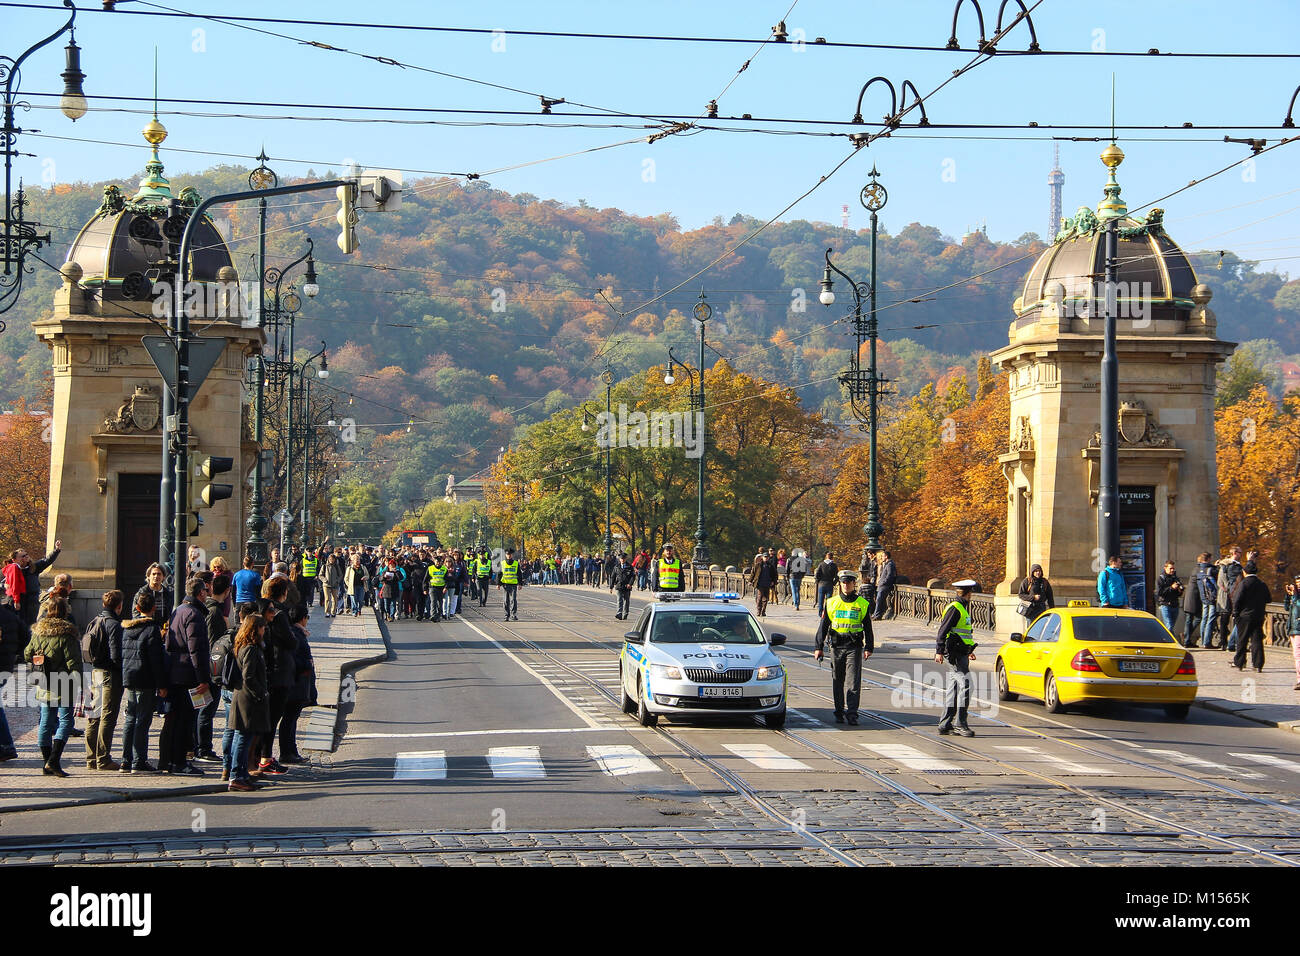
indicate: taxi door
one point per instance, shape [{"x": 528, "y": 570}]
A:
[{"x": 1022, "y": 661}]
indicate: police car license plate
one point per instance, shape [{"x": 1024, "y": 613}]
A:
[
  {"x": 1145, "y": 667},
  {"x": 720, "y": 692}
]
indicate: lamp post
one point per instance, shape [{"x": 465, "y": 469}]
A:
[
  {"x": 1111, "y": 210},
  {"x": 20, "y": 234},
  {"x": 702, "y": 313},
  {"x": 607, "y": 376},
  {"x": 305, "y": 380},
  {"x": 864, "y": 386}
]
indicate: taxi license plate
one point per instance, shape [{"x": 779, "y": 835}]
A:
[
  {"x": 1143, "y": 667},
  {"x": 721, "y": 692}
]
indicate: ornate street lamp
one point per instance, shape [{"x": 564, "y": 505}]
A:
[
  {"x": 864, "y": 386},
  {"x": 21, "y": 236},
  {"x": 607, "y": 376},
  {"x": 702, "y": 312}
]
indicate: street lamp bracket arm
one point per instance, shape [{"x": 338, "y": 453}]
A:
[{"x": 10, "y": 68}]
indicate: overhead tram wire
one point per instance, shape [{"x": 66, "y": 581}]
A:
[{"x": 647, "y": 37}]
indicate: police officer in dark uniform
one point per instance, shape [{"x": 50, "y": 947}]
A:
[
  {"x": 956, "y": 645},
  {"x": 846, "y": 620}
]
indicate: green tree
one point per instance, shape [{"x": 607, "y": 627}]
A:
[
  {"x": 358, "y": 514},
  {"x": 1253, "y": 363}
]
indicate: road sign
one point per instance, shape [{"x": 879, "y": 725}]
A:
[
  {"x": 284, "y": 516},
  {"x": 203, "y": 357}
]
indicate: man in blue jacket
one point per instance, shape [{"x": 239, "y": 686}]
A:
[{"x": 1110, "y": 585}]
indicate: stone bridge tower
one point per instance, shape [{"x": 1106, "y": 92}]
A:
[
  {"x": 106, "y": 435},
  {"x": 1168, "y": 354}
]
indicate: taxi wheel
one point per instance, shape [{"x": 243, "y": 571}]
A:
[
  {"x": 1051, "y": 698},
  {"x": 1004, "y": 688},
  {"x": 1177, "y": 711},
  {"x": 628, "y": 705},
  {"x": 643, "y": 715}
]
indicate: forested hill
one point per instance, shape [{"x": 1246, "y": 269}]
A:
[{"x": 477, "y": 308}]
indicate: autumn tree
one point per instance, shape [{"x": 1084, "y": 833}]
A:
[
  {"x": 24, "y": 478},
  {"x": 1258, "y": 443}
]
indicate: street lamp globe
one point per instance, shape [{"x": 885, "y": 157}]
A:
[
  {"x": 73, "y": 102},
  {"x": 827, "y": 297},
  {"x": 310, "y": 289},
  {"x": 669, "y": 379},
  {"x": 323, "y": 373}
]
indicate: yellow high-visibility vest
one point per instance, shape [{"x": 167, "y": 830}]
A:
[
  {"x": 963, "y": 627},
  {"x": 846, "y": 617},
  {"x": 670, "y": 575},
  {"x": 308, "y": 565},
  {"x": 437, "y": 576},
  {"x": 509, "y": 572}
]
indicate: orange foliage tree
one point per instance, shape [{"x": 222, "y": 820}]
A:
[
  {"x": 1259, "y": 481},
  {"x": 24, "y": 478}
]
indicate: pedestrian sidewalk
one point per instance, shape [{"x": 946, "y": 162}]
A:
[
  {"x": 1267, "y": 698},
  {"x": 338, "y": 644}
]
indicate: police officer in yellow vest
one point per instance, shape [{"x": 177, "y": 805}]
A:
[
  {"x": 846, "y": 620},
  {"x": 307, "y": 586},
  {"x": 510, "y": 582},
  {"x": 437, "y": 577},
  {"x": 956, "y": 645},
  {"x": 483, "y": 572},
  {"x": 668, "y": 571}
]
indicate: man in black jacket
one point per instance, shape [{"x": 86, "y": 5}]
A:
[
  {"x": 217, "y": 627},
  {"x": 144, "y": 677},
  {"x": 102, "y": 635},
  {"x": 32, "y": 573},
  {"x": 279, "y": 647},
  {"x": 189, "y": 667},
  {"x": 1250, "y": 600},
  {"x": 621, "y": 580},
  {"x": 13, "y": 638},
  {"x": 824, "y": 577}
]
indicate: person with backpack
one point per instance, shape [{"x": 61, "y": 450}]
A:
[
  {"x": 226, "y": 675},
  {"x": 102, "y": 635},
  {"x": 144, "y": 677},
  {"x": 250, "y": 716},
  {"x": 1207, "y": 581}
]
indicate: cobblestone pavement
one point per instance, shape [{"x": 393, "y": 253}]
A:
[{"x": 874, "y": 829}]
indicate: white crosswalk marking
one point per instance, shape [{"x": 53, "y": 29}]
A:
[
  {"x": 1270, "y": 761},
  {"x": 516, "y": 763},
  {"x": 421, "y": 765},
  {"x": 1069, "y": 766},
  {"x": 619, "y": 760},
  {"x": 1187, "y": 760},
  {"x": 910, "y": 757},
  {"x": 766, "y": 758}
]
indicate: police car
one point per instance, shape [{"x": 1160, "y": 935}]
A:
[{"x": 700, "y": 653}]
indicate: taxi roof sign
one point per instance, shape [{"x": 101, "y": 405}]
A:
[{"x": 1080, "y": 603}]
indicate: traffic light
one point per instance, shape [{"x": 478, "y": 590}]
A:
[
  {"x": 347, "y": 219},
  {"x": 209, "y": 467}
]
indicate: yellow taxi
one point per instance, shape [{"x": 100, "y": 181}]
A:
[{"x": 1080, "y": 653}]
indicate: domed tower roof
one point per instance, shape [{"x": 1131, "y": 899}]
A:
[
  {"x": 1150, "y": 265},
  {"x": 130, "y": 243}
]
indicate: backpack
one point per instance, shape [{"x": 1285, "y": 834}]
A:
[
  {"x": 1206, "y": 585},
  {"x": 222, "y": 651},
  {"x": 232, "y": 675},
  {"x": 92, "y": 642}
]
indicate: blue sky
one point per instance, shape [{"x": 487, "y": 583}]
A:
[{"x": 951, "y": 183}]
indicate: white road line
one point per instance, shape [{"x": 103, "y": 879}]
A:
[
  {"x": 532, "y": 670},
  {"x": 909, "y": 757},
  {"x": 619, "y": 760},
  {"x": 516, "y": 763},
  {"x": 766, "y": 758},
  {"x": 483, "y": 733},
  {"x": 1067, "y": 765},
  {"x": 1270, "y": 761},
  {"x": 1187, "y": 760},
  {"x": 421, "y": 765}
]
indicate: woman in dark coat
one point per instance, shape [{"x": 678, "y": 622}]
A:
[
  {"x": 250, "y": 710},
  {"x": 1036, "y": 591}
]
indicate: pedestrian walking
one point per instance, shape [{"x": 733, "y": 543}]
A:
[
  {"x": 1035, "y": 594},
  {"x": 483, "y": 576},
  {"x": 825, "y": 577},
  {"x": 1250, "y": 600},
  {"x": 1293, "y": 624},
  {"x": 54, "y": 658},
  {"x": 760, "y": 576},
  {"x": 886, "y": 579},
  {"x": 355, "y": 580},
  {"x": 509, "y": 583},
  {"x": 621, "y": 580},
  {"x": 330, "y": 580},
  {"x": 956, "y": 645},
  {"x": 798, "y": 566},
  {"x": 1111, "y": 590},
  {"x": 846, "y": 623}
]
